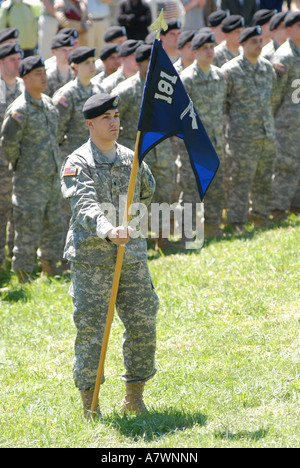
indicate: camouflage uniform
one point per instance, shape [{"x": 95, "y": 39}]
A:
[
  {"x": 55, "y": 80},
  {"x": 251, "y": 137},
  {"x": 269, "y": 50},
  {"x": 111, "y": 81},
  {"x": 160, "y": 159},
  {"x": 29, "y": 140},
  {"x": 224, "y": 55},
  {"x": 73, "y": 131},
  {"x": 98, "y": 181},
  {"x": 207, "y": 91},
  {"x": 6, "y": 179},
  {"x": 286, "y": 185}
]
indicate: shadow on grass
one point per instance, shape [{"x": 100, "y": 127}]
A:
[
  {"x": 242, "y": 435},
  {"x": 154, "y": 424}
]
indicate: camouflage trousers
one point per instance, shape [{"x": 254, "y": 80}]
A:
[
  {"x": 251, "y": 165},
  {"x": 187, "y": 186},
  {"x": 37, "y": 219},
  {"x": 286, "y": 183},
  {"x": 137, "y": 306},
  {"x": 5, "y": 211}
]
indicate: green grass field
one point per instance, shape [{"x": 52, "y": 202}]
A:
[{"x": 228, "y": 354}]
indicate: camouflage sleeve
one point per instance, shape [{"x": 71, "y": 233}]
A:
[
  {"x": 228, "y": 89},
  {"x": 65, "y": 108},
  {"x": 79, "y": 189},
  {"x": 147, "y": 185},
  {"x": 281, "y": 68},
  {"x": 12, "y": 133}
]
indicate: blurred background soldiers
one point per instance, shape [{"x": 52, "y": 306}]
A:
[
  {"x": 187, "y": 55},
  {"x": 69, "y": 101},
  {"x": 10, "y": 88},
  {"x": 160, "y": 159},
  {"x": 206, "y": 86},
  {"x": 128, "y": 68},
  {"x": 286, "y": 184},
  {"x": 215, "y": 23},
  {"x": 279, "y": 34},
  {"x": 245, "y": 8},
  {"x": 232, "y": 27},
  {"x": 250, "y": 132},
  {"x": 73, "y": 33},
  {"x": 110, "y": 59},
  {"x": 10, "y": 35},
  {"x": 19, "y": 15},
  {"x": 135, "y": 15},
  {"x": 113, "y": 35},
  {"x": 263, "y": 18},
  {"x": 34, "y": 156},
  {"x": 60, "y": 73},
  {"x": 169, "y": 39}
]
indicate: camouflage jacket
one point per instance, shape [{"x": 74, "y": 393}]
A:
[
  {"x": 286, "y": 62},
  {"x": 69, "y": 101},
  {"x": 96, "y": 189},
  {"x": 29, "y": 136},
  {"x": 224, "y": 55},
  {"x": 250, "y": 90}
]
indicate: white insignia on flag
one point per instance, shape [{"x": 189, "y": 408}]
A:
[{"x": 193, "y": 115}]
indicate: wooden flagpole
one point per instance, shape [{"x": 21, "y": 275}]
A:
[{"x": 157, "y": 26}]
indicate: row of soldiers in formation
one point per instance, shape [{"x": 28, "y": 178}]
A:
[{"x": 249, "y": 105}]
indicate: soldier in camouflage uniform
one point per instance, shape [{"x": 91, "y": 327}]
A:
[
  {"x": 187, "y": 55},
  {"x": 60, "y": 73},
  {"x": 278, "y": 30},
  {"x": 160, "y": 159},
  {"x": 232, "y": 26},
  {"x": 11, "y": 88},
  {"x": 250, "y": 132},
  {"x": 127, "y": 69},
  {"x": 29, "y": 141},
  {"x": 69, "y": 101},
  {"x": 286, "y": 184},
  {"x": 110, "y": 57},
  {"x": 206, "y": 86},
  {"x": 93, "y": 179}
]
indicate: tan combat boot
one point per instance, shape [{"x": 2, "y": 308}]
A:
[
  {"x": 23, "y": 277},
  {"x": 87, "y": 400},
  {"x": 133, "y": 401},
  {"x": 48, "y": 269}
]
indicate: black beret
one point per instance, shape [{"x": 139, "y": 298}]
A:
[
  {"x": 129, "y": 47},
  {"x": 262, "y": 17},
  {"x": 184, "y": 38},
  {"x": 216, "y": 18},
  {"x": 69, "y": 32},
  {"x": 292, "y": 18},
  {"x": 114, "y": 32},
  {"x": 31, "y": 63},
  {"x": 143, "y": 52},
  {"x": 9, "y": 49},
  {"x": 172, "y": 24},
  {"x": 81, "y": 54},
  {"x": 8, "y": 33},
  {"x": 232, "y": 22},
  {"x": 201, "y": 39},
  {"x": 62, "y": 40},
  {"x": 250, "y": 32},
  {"x": 98, "y": 104},
  {"x": 149, "y": 39},
  {"x": 108, "y": 50},
  {"x": 276, "y": 20}
]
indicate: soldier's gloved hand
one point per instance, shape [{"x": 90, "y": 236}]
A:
[{"x": 120, "y": 235}]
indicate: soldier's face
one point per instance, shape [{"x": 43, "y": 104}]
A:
[
  {"x": 11, "y": 65},
  {"x": 106, "y": 127},
  {"x": 294, "y": 32},
  {"x": 87, "y": 69},
  {"x": 62, "y": 54},
  {"x": 205, "y": 54},
  {"x": 112, "y": 63},
  {"x": 36, "y": 79},
  {"x": 253, "y": 46}
]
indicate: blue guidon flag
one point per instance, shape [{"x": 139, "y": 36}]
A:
[{"x": 167, "y": 111}]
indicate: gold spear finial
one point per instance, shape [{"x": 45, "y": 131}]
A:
[{"x": 159, "y": 24}]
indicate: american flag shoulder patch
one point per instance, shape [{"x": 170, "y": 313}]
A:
[
  {"x": 17, "y": 117},
  {"x": 279, "y": 67},
  {"x": 63, "y": 102},
  {"x": 70, "y": 171}
]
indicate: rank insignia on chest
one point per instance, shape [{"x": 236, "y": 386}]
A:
[
  {"x": 279, "y": 67},
  {"x": 17, "y": 117},
  {"x": 63, "y": 102},
  {"x": 70, "y": 171}
]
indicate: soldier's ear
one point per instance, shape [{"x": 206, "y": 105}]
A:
[{"x": 90, "y": 124}]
